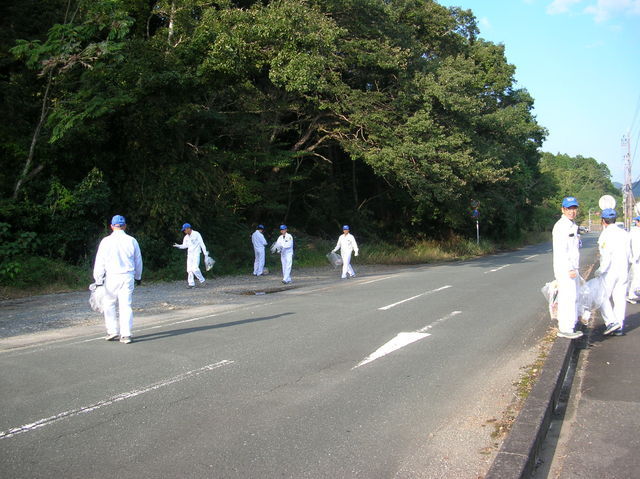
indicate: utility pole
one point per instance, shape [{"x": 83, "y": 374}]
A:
[{"x": 627, "y": 192}]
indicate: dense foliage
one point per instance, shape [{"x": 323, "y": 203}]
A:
[
  {"x": 584, "y": 178},
  {"x": 390, "y": 115}
]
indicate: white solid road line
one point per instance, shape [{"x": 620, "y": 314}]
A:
[
  {"x": 441, "y": 320},
  {"x": 531, "y": 257},
  {"x": 389, "y": 306},
  {"x": 403, "y": 339},
  {"x": 375, "y": 280},
  {"x": 112, "y": 400}
]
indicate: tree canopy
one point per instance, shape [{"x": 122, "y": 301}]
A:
[{"x": 391, "y": 115}]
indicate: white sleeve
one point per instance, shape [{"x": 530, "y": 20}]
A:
[
  {"x": 202, "y": 246},
  {"x": 137, "y": 260},
  {"x": 337, "y": 246},
  {"x": 184, "y": 244},
  {"x": 99, "y": 270}
]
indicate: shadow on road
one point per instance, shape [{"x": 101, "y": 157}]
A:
[{"x": 177, "y": 332}]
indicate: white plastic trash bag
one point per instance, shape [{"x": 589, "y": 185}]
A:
[
  {"x": 96, "y": 300},
  {"x": 334, "y": 259},
  {"x": 593, "y": 294},
  {"x": 550, "y": 292},
  {"x": 209, "y": 262}
]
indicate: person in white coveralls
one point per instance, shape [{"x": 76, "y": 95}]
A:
[
  {"x": 257, "y": 238},
  {"x": 284, "y": 246},
  {"x": 347, "y": 245},
  {"x": 117, "y": 268},
  {"x": 193, "y": 243},
  {"x": 615, "y": 253},
  {"x": 634, "y": 280},
  {"x": 566, "y": 264}
]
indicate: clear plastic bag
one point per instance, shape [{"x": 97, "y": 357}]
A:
[
  {"x": 550, "y": 292},
  {"x": 334, "y": 259},
  {"x": 592, "y": 294},
  {"x": 209, "y": 262},
  {"x": 96, "y": 300}
]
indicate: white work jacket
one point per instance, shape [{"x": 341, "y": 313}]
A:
[
  {"x": 284, "y": 244},
  {"x": 566, "y": 248},
  {"x": 615, "y": 252},
  {"x": 193, "y": 244},
  {"x": 118, "y": 253},
  {"x": 257, "y": 238},
  {"x": 346, "y": 244}
]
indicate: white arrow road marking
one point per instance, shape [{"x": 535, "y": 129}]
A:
[
  {"x": 497, "y": 269},
  {"x": 403, "y": 339},
  {"x": 389, "y": 306},
  {"x": 112, "y": 400},
  {"x": 400, "y": 341}
]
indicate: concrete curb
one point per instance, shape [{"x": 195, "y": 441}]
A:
[{"x": 517, "y": 456}]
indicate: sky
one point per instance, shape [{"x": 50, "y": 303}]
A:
[{"x": 580, "y": 60}]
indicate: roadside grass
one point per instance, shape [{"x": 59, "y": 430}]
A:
[
  {"x": 36, "y": 275},
  {"x": 523, "y": 387}
]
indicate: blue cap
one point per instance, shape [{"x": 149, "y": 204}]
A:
[
  {"x": 608, "y": 213},
  {"x": 260, "y": 227},
  {"x": 345, "y": 227},
  {"x": 118, "y": 220},
  {"x": 569, "y": 201},
  {"x": 637, "y": 218},
  {"x": 283, "y": 227},
  {"x": 185, "y": 226}
]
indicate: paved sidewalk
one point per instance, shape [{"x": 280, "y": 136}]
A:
[{"x": 600, "y": 436}]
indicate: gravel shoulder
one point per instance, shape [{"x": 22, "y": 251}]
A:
[{"x": 24, "y": 318}]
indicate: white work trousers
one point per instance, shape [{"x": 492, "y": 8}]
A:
[
  {"x": 634, "y": 281},
  {"x": 258, "y": 264},
  {"x": 286, "y": 257},
  {"x": 193, "y": 268},
  {"x": 347, "y": 269},
  {"x": 568, "y": 303},
  {"x": 118, "y": 288},
  {"x": 615, "y": 313}
]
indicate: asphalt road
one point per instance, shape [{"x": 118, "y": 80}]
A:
[{"x": 298, "y": 384}]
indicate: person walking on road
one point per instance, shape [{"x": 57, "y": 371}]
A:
[
  {"x": 193, "y": 243},
  {"x": 634, "y": 280},
  {"x": 347, "y": 245},
  {"x": 284, "y": 246},
  {"x": 257, "y": 238},
  {"x": 615, "y": 254},
  {"x": 566, "y": 265},
  {"x": 118, "y": 267}
]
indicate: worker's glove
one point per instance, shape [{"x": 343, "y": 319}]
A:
[{"x": 138, "y": 282}]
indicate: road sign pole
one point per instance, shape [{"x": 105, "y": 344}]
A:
[{"x": 477, "y": 232}]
